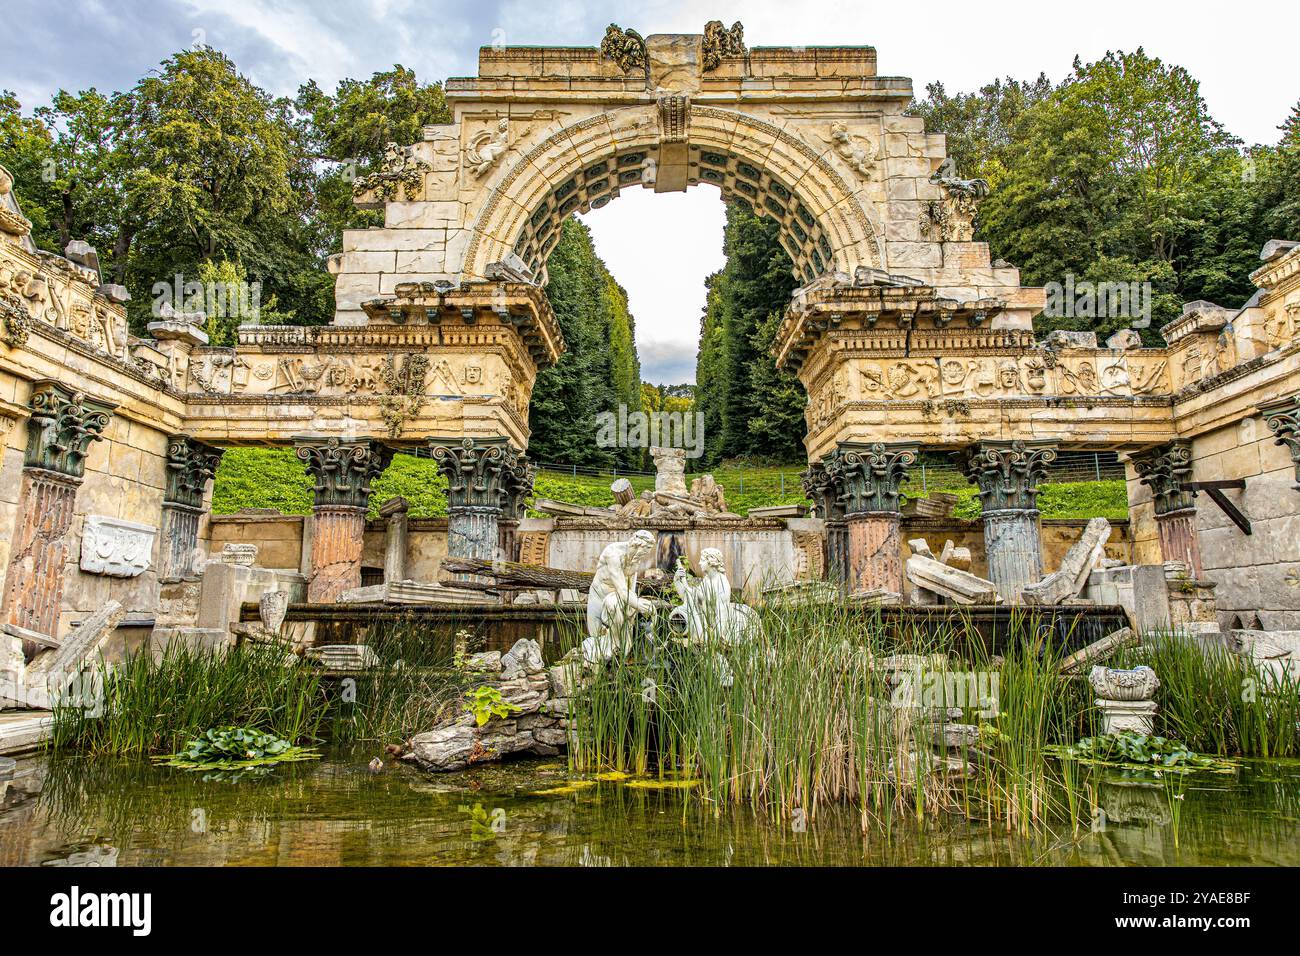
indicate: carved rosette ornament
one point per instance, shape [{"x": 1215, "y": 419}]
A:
[
  {"x": 1283, "y": 418},
  {"x": 1007, "y": 473},
  {"x": 62, "y": 426},
  {"x": 343, "y": 469},
  {"x": 1167, "y": 471},
  {"x": 190, "y": 464},
  {"x": 870, "y": 477}
]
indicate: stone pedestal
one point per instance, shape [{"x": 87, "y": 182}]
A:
[
  {"x": 1179, "y": 541},
  {"x": 1007, "y": 475},
  {"x": 34, "y": 582},
  {"x": 338, "y": 535},
  {"x": 875, "y": 555},
  {"x": 395, "y": 537},
  {"x": 342, "y": 471},
  {"x": 1013, "y": 544},
  {"x": 1118, "y": 716}
]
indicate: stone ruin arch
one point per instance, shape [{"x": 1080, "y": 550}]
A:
[
  {"x": 904, "y": 333},
  {"x": 824, "y": 226}
]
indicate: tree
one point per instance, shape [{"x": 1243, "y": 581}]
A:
[
  {"x": 751, "y": 410},
  {"x": 598, "y": 372},
  {"x": 350, "y": 129}
]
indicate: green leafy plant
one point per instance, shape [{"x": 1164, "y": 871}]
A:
[
  {"x": 235, "y": 748},
  {"x": 1131, "y": 749},
  {"x": 485, "y": 703}
]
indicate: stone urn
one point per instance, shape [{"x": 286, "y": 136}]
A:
[
  {"x": 1124, "y": 698},
  {"x": 271, "y": 608},
  {"x": 1111, "y": 683}
]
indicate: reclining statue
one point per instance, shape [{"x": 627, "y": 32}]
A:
[
  {"x": 707, "y": 602},
  {"x": 612, "y": 603}
]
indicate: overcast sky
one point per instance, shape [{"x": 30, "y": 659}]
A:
[{"x": 659, "y": 247}]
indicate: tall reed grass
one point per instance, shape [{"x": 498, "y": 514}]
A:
[
  {"x": 153, "y": 705},
  {"x": 817, "y": 712}
]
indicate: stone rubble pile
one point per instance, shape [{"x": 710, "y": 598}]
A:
[{"x": 538, "y": 723}]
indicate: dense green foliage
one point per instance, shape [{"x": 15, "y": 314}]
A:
[
  {"x": 1120, "y": 174},
  {"x": 751, "y": 410},
  {"x": 274, "y": 478},
  {"x": 197, "y": 170},
  {"x": 599, "y": 371}
]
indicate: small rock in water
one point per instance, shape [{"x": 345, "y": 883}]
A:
[{"x": 376, "y": 765}]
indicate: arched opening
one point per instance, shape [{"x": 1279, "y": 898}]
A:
[{"x": 765, "y": 193}]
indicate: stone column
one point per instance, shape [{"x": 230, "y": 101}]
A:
[
  {"x": 59, "y": 432},
  {"x": 670, "y": 470},
  {"x": 343, "y": 470},
  {"x": 821, "y": 488},
  {"x": 1167, "y": 471},
  {"x": 395, "y": 537},
  {"x": 1007, "y": 474},
  {"x": 1283, "y": 418},
  {"x": 868, "y": 478},
  {"x": 482, "y": 474},
  {"x": 518, "y": 487},
  {"x": 190, "y": 464}
]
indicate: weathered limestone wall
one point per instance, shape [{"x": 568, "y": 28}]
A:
[{"x": 279, "y": 538}]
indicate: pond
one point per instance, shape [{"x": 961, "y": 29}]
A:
[{"x": 335, "y": 812}]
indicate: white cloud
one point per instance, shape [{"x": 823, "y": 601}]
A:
[{"x": 660, "y": 248}]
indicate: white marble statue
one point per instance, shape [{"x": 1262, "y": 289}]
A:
[
  {"x": 612, "y": 603},
  {"x": 707, "y": 602}
]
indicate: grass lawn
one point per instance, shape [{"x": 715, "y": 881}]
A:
[{"x": 274, "y": 478}]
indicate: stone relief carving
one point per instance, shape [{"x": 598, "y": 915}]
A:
[
  {"x": 625, "y": 47},
  {"x": 401, "y": 170},
  {"x": 486, "y": 147},
  {"x": 850, "y": 147},
  {"x": 721, "y": 42},
  {"x": 117, "y": 548},
  {"x": 952, "y": 219}
]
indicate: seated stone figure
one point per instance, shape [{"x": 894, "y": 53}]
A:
[
  {"x": 612, "y": 603},
  {"x": 707, "y": 602}
]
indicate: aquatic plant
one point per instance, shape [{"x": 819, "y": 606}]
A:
[
  {"x": 235, "y": 748},
  {"x": 1131, "y": 749},
  {"x": 485, "y": 702},
  {"x": 1220, "y": 702},
  {"x": 155, "y": 705}
]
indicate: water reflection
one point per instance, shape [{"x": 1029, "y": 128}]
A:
[{"x": 88, "y": 812}]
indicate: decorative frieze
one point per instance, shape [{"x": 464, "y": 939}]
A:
[
  {"x": 342, "y": 469},
  {"x": 1283, "y": 418},
  {"x": 1007, "y": 473},
  {"x": 1167, "y": 471},
  {"x": 117, "y": 548},
  {"x": 63, "y": 423}
]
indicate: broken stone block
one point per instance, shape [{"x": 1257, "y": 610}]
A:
[
  {"x": 920, "y": 546},
  {"x": 81, "y": 644},
  {"x": 525, "y": 654},
  {"x": 1084, "y": 556},
  {"x": 960, "y": 587}
]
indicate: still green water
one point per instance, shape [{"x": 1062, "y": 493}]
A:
[{"x": 74, "y": 811}]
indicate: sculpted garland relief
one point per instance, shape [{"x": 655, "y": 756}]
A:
[{"x": 936, "y": 379}]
